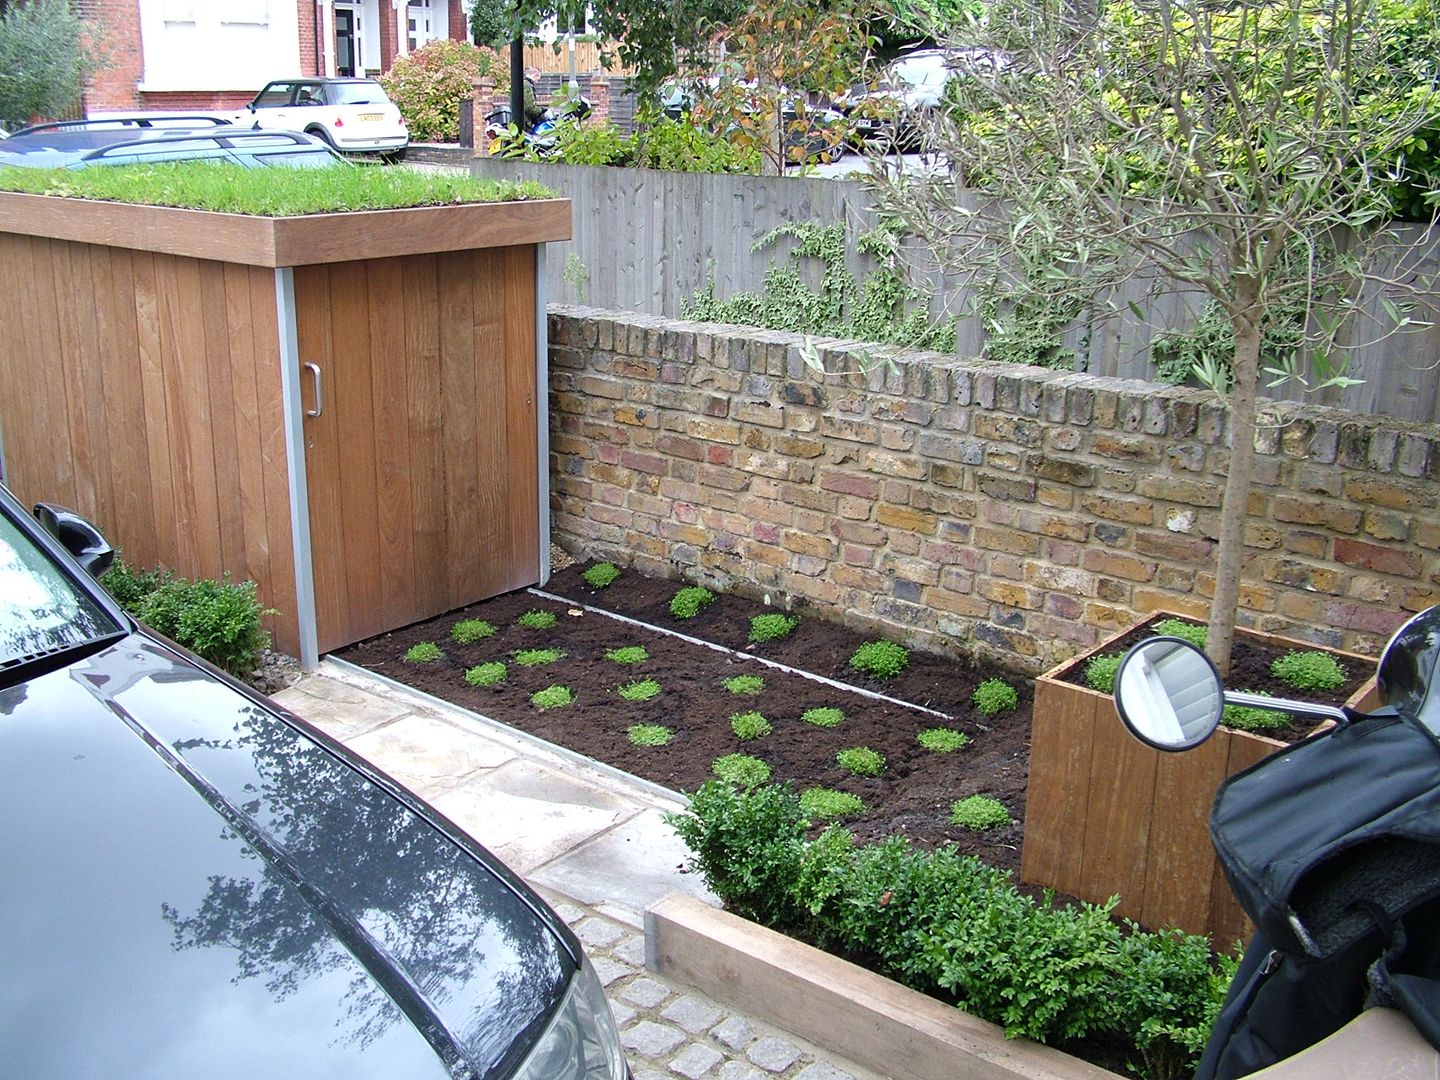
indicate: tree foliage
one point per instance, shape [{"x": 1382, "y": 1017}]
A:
[
  {"x": 490, "y": 22},
  {"x": 45, "y": 56}
]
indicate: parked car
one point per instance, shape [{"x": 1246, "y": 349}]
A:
[
  {"x": 197, "y": 883},
  {"x": 79, "y": 144},
  {"x": 892, "y": 109},
  {"x": 355, "y": 116}
]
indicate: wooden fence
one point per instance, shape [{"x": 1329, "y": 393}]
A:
[{"x": 647, "y": 241}]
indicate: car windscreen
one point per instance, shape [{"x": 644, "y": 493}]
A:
[
  {"x": 357, "y": 93},
  {"x": 42, "y": 611}
]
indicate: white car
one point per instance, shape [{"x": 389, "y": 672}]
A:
[{"x": 355, "y": 116}]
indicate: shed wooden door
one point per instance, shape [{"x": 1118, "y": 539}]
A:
[{"x": 423, "y": 484}]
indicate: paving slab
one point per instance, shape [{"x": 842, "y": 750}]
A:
[
  {"x": 339, "y": 709},
  {"x": 428, "y": 755}
]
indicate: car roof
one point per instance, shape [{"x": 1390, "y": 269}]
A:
[{"x": 61, "y": 147}]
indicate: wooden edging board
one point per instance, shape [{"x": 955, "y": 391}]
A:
[
  {"x": 871, "y": 1020},
  {"x": 286, "y": 241}
]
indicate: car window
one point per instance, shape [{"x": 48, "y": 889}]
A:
[
  {"x": 274, "y": 95},
  {"x": 308, "y": 158},
  {"x": 41, "y": 610},
  {"x": 357, "y": 93}
]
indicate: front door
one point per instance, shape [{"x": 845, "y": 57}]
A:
[
  {"x": 421, "y": 467},
  {"x": 345, "y": 42}
]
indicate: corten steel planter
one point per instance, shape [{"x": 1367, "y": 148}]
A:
[
  {"x": 348, "y": 408},
  {"x": 1106, "y": 815}
]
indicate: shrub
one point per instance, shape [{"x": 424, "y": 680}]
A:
[
  {"x": 882, "y": 659},
  {"x": 591, "y": 144},
  {"x": 741, "y": 769},
  {"x": 1194, "y": 633},
  {"x": 601, "y": 574},
  {"x": 826, "y": 716},
  {"x": 537, "y": 620},
  {"x": 1251, "y": 718},
  {"x": 826, "y": 804},
  {"x": 217, "y": 620},
  {"x": 685, "y": 147},
  {"x": 428, "y": 85},
  {"x": 1100, "y": 672},
  {"x": 978, "y": 812},
  {"x": 469, "y": 631},
  {"x": 628, "y": 654},
  {"x": 750, "y": 725},
  {"x": 426, "y": 652},
  {"x": 641, "y": 690},
  {"x": 650, "y": 734},
  {"x": 995, "y": 696},
  {"x": 861, "y": 761},
  {"x": 489, "y": 674},
  {"x": 745, "y": 684},
  {"x": 1309, "y": 671},
  {"x": 536, "y": 657},
  {"x": 132, "y": 587},
  {"x": 552, "y": 697},
  {"x": 770, "y": 626},
  {"x": 942, "y": 740},
  {"x": 686, "y": 603}
]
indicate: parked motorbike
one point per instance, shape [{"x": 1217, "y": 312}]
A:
[
  {"x": 503, "y": 137},
  {"x": 1332, "y": 847}
]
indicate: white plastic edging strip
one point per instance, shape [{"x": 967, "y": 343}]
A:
[{"x": 786, "y": 668}]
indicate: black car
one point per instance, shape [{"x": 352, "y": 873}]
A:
[
  {"x": 196, "y": 883},
  {"x": 79, "y": 144}
]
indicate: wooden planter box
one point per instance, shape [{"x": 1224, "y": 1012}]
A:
[
  {"x": 1095, "y": 791},
  {"x": 347, "y": 408}
]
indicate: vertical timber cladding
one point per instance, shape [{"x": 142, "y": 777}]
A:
[
  {"x": 421, "y": 467},
  {"x": 105, "y": 409}
]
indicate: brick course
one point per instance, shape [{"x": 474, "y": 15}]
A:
[{"x": 1017, "y": 512}]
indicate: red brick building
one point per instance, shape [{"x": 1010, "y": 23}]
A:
[{"x": 203, "y": 54}]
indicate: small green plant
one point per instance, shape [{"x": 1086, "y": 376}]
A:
[
  {"x": 536, "y": 657},
  {"x": 628, "y": 654},
  {"x": 220, "y": 620},
  {"x": 826, "y": 804},
  {"x": 861, "y": 761},
  {"x": 1309, "y": 671},
  {"x": 978, "y": 812},
  {"x": 826, "y": 716},
  {"x": 750, "y": 725},
  {"x": 601, "y": 574},
  {"x": 1195, "y": 633},
  {"x": 1251, "y": 718},
  {"x": 130, "y": 586},
  {"x": 491, "y": 674},
  {"x": 995, "y": 696},
  {"x": 770, "y": 626},
  {"x": 537, "y": 620},
  {"x": 469, "y": 631},
  {"x": 552, "y": 697},
  {"x": 1100, "y": 673},
  {"x": 426, "y": 652},
  {"x": 745, "y": 684},
  {"x": 741, "y": 769},
  {"x": 942, "y": 740},
  {"x": 686, "y": 603},
  {"x": 641, "y": 690},
  {"x": 882, "y": 659},
  {"x": 650, "y": 734}
]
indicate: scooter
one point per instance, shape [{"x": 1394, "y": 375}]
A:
[
  {"x": 1332, "y": 847},
  {"x": 501, "y": 136}
]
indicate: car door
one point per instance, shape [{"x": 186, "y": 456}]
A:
[{"x": 273, "y": 107}]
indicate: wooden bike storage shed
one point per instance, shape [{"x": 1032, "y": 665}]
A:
[{"x": 348, "y": 408}]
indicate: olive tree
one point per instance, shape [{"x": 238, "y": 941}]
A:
[
  {"x": 46, "y": 52},
  {"x": 1247, "y": 150}
]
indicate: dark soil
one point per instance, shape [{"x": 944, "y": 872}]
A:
[{"x": 911, "y": 798}]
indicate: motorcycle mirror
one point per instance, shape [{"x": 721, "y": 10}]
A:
[
  {"x": 1168, "y": 694},
  {"x": 1406, "y": 675}
]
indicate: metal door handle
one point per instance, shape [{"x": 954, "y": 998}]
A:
[{"x": 319, "y": 399}]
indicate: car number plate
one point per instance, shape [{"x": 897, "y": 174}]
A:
[{"x": 372, "y": 116}]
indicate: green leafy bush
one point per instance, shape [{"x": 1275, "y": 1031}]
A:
[
  {"x": 942, "y": 740},
  {"x": 882, "y": 659},
  {"x": 650, "y": 734},
  {"x": 827, "y": 804},
  {"x": 537, "y": 620},
  {"x": 469, "y": 631},
  {"x": 750, "y": 725},
  {"x": 685, "y": 147},
  {"x": 1251, "y": 718},
  {"x": 741, "y": 769},
  {"x": 628, "y": 654},
  {"x": 426, "y": 652},
  {"x": 1100, "y": 672},
  {"x": 770, "y": 626},
  {"x": 536, "y": 657},
  {"x": 552, "y": 697},
  {"x": 428, "y": 85},
  {"x": 1195, "y": 633},
  {"x": 826, "y": 716},
  {"x": 217, "y": 620},
  {"x": 601, "y": 574},
  {"x": 861, "y": 761},
  {"x": 641, "y": 690},
  {"x": 995, "y": 696},
  {"x": 130, "y": 586},
  {"x": 1309, "y": 671},
  {"x": 978, "y": 812},
  {"x": 490, "y": 674},
  {"x": 590, "y": 144},
  {"x": 686, "y": 603},
  {"x": 745, "y": 684}
]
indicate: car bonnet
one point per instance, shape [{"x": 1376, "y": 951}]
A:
[{"x": 191, "y": 885}]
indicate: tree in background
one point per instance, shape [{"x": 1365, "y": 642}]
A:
[
  {"x": 46, "y": 53},
  {"x": 490, "y": 22},
  {"x": 1249, "y": 151}
]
